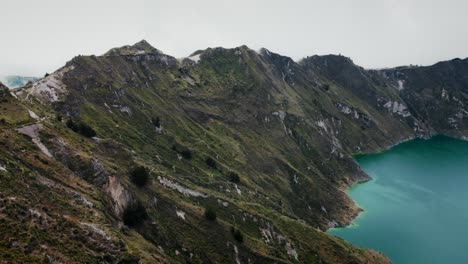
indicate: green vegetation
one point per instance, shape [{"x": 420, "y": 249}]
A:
[
  {"x": 81, "y": 128},
  {"x": 185, "y": 152},
  {"x": 139, "y": 176},
  {"x": 210, "y": 162},
  {"x": 280, "y": 132},
  {"x": 237, "y": 234},
  {"x": 234, "y": 177},
  {"x": 210, "y": 214},
  {"x": 134, "y": 214}
]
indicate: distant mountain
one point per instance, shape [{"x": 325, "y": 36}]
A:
[{"x": 17, "y": 81}]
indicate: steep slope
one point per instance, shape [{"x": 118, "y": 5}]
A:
[
  {"x": 436, "y": 95},
  {"x": 261, "y": 140},
  {"x": 49, "y": 213}
]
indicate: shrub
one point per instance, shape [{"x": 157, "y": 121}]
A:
[
  {"x": 210, "y": 214},
  {"x": 156, "y": 122},
  {"x": 234, "y": 177},
  {"x": 185, "y": 152},
  {"x": 81, "y": 128},
  {"x": 134, "y": 214},
  {"x": 326, "y": 87},
  {"x": 139, "y": 176},
  {"x": 236, "y": 233},
  {"x": 87, "y": 131},
  {"x": 210, "y": 162},
  {"x": 71, "y": 125}
]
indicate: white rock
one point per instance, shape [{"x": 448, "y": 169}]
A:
[
  {"x": 321, "y": 124},
  {"x": 96, "y": 229},
  {"x": 401, "y": 85},
  {"x": 186, "y": 191},
  {"x": 35, "y": 213},
  {"x": 291, "y": 251},
  {"x": 324, "y": 210},
  {"x": 32, "y": 131},
  {"x": 281, "y": 114},
  {"x": 236, "y": 251},
  {"x": 238, "y": 190},
  {"x": 33, "y": 115},
  {"x": 126, "y": 109},
  {"x": 195, "y": 58},
  {"x": 223, "y": 203},
  {"x": 51, "y": 88},
  {"x": 445, "y": 95},
  {"x": 118, "y": 193},
  {"x": 180, "y": 214},
  {"x": 397, "y": 108}
]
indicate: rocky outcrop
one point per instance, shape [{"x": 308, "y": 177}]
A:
[
  {"x": 4, "y": 92},
  {"x": 48, "y": 90},
  {"x": 120, "y": 196},
  {"x": 32, "y": 131}
]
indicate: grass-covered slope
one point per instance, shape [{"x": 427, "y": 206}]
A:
[{"x": 247, "y": 153}]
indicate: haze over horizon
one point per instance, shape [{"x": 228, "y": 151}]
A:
[{"x": 43, "y": 35}]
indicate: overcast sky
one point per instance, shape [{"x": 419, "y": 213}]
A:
[{"x": 39, "y": 36}]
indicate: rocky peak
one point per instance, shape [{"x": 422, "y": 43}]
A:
[
  {"x": 217, "y": 52},
  {"x": 139, "y": 48}
]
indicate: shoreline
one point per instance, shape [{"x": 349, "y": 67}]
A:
[
  {"x": 359, "y": 210},
  {"x": 346, "y": 190}
]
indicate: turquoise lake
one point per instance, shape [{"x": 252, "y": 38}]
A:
[{"x": 416, "y": 206}]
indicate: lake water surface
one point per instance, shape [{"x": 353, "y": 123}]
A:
[{"x": 416, "y": 206}]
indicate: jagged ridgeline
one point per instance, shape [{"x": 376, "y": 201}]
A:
[{"x": 226, "y": 156}]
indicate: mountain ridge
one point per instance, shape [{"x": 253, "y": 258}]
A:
[{"x": 286, "y": 129}]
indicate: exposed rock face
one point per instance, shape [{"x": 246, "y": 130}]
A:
[
  {"x": 286, "y": 129},
  {"x": 118, "y": 193},
  {"x": 49, "y": 89},
  {"x": 32, "y": 131},
  {"x": 4, "y": 91}
]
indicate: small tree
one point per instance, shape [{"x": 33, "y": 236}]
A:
[
  {"x": 87, "y": 131},
  {"x": 236, "y": 233},
  {"x": 71, "y": 125},
  {"x": 234, "y": 177},
  {"x": 210, "y": 214},
  {"x": 186, "y": 154},
  {"x": 156, "y": 121},
  {"x": 134, "y": 214},
  {"x": 210, "y": 162},
  {"x": 139, "y": 176},
  {"x": 81, "y": 128}
]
